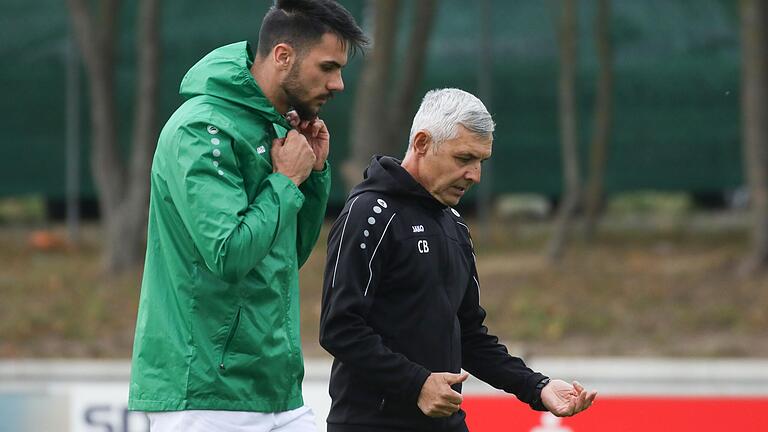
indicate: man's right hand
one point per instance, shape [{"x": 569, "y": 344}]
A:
[
  {"x": 293, "y": 157},
  {"x": 437, "y": 398}
]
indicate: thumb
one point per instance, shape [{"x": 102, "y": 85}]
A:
[
  {"x": 456, "y": 378},
  {"x": 278, "y": 142}
]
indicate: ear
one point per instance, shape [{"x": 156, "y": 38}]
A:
[
  {"x": 283, "y": 55},
  {"x": 422, "y": 141}
]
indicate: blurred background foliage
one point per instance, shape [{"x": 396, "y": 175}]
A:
[{"x": 674, "y": 267}]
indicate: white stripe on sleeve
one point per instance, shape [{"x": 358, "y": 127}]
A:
[
  {"x": 338, "y": 254},
  {"x": 370, "y": 277}
]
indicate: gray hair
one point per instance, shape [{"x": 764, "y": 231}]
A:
[{"x": 442, "y": 110}]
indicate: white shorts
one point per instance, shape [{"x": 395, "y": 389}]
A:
[{"x": 297, "y": 420}]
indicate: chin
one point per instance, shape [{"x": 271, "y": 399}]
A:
[
  {"x": 451, "y": 201},
  {"x": 307, "y": 114}
]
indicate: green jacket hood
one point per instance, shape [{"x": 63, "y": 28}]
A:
[{"x": 225, "y": 73}]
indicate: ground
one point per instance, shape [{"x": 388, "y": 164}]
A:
[{"x": 661, "y": 287}]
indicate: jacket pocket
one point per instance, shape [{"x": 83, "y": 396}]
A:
[{"x": 230, "y": 335}]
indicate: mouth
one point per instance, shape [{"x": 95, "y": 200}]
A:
[{"x": 460, "y": 190}]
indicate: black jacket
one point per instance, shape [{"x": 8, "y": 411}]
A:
[{"x": 401, "y": 300}]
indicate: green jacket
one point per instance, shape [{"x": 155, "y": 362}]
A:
[{"x": 218, "y": 320}]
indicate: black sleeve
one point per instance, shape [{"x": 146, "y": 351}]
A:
[
  {"x": 485, "y": 358},
  {"x": 357, "y": 253}
]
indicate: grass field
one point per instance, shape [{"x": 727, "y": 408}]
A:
[{"x": 663, "y": 286}]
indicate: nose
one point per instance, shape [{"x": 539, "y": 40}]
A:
[
  {"x": 336, "y": 84},
  {"x": 473, "y": 173}
]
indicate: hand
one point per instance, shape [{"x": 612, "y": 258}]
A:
[
  {"x": 292, "y": 157},
  {"x": 564, "y": 400},
  {"x": 437, "y": 398},
  {"x": 317, "y": 136}
]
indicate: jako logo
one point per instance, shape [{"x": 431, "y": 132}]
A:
[{"x": 418, "y": 228}]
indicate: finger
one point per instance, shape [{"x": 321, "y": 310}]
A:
[
  {"x": 453, "y": 397},
  {"x": 591, "y": 396},
  {"x": 589, "y": 399},
  {"x": 453, "y": 409},
  {"x": 323, "y": 129},
  {"x": 292, "y": 117},
  {"x": 452, "y": 378},
  {"x": 278, "y": 142},
  {"x": 316, "y": 126},
  {"x": 581, "y": 403},
  {"x": 304, "y": 125},
  {"x": 447, "y": 408},
  {"x": 577, "y": 385},
  {"x": 439, "y": 413}
]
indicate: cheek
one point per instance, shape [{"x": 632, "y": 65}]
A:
[{"x": 448, "y": 174}]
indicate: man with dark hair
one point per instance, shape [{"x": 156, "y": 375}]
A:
[
  {"x": 401, "y": 307},
  {"x": 239, "y": 189}
]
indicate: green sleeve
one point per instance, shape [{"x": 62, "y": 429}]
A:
[
  {"x": 231, "y": 234},
  {"x": 316, "y": 189}
]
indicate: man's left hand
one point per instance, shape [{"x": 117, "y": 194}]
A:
[
  {"x": 317, "y": 136},
  {"x": 564, "y": 400}
]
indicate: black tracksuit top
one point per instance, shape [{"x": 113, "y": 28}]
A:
[{"x": 401, "y": 300}]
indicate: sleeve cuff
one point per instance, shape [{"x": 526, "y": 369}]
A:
[
  {"x": 318, "y": 182},
  {"x": 285, "y": 187},
  {"x": 536, "y": 402},
  {"x": 323, "y": 171},
  {"x": 416, "y": 383}
]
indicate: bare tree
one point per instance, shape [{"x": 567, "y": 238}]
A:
[
  {"x": 754, "y": 100},
  {"x": 403, "y": 108},
  {"x": 382, "y": 111},
  {"x": 123, "y": 189},
  {"x": 568, "y": 129},
  {"x": 594, "y": 193},
  {"x": 370, "y": 109}
]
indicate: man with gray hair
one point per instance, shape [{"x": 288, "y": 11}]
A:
[{"x": 401, "y": 312}]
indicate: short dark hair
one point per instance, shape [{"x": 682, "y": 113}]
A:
[{"x": 302, "y": 23}]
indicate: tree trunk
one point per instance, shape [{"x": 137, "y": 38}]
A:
[
  {"x": 754, "y": 97},
  {"x": 123, "y": 192},
  {"x": 96, "y": 39},
  {"x": 132, "y": 220},
  {"x": 593, "y": 197},
  {"x": 403, "y": 109},
  {"x": 370, "y": 109},
  {"x": 568, "y": 130}
]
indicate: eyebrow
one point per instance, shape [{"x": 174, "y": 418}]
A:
[
  {"x": 332, "y": 63},
  {"x": 473, "y": 155}
]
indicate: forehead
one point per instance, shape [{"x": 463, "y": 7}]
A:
[
  {"x": 470, "y": 143},
  {"x": 329, "y": 48}
]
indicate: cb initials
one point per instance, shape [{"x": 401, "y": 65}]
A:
[{"x": 423, "y": 246}]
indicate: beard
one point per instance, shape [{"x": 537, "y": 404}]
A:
[{"x": 298, "y": 96}]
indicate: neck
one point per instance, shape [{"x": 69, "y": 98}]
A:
[
  {"x": 411, "y": 165},
  {"x": 268, "y": 82}
]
